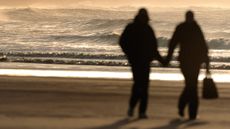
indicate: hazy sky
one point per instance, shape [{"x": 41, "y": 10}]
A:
[{"x": 114, "y": 3}]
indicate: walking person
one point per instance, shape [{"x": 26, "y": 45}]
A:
[
  {"x": 139, "y": 43},
  {"x": 193, "y": 52}
]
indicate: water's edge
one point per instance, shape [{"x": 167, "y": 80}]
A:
[{"x": 101, "y": 72}]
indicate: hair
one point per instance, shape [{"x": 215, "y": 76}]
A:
[{"x": 142, "y": 16}]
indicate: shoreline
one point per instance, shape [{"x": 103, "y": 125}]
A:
[{"x": 99, "y": 72}]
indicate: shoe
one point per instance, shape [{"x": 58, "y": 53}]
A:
[
  {"x": 181, "y": 113},
  {"x": 192, "y": 118},
  {"x": 130, "y": 113},
  {"x": 143, "y": 116}
]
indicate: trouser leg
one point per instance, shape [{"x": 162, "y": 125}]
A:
[
  {"x": 193, "y": 107},
  {"x": 144, "y": 89},
  {"x": 135, "y": 92},
  {"x": 135, "y": 95},
  {"x": 140, "y": 87},
  {"x": 190, "y": 93},
  {"x": 182, "y": 102},
  {"x": 143, "y": 101},
  {"x": 193, "y": 100}
]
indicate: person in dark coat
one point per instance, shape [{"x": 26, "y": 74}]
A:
[
  {"x": 193, "y": 52},
  {"x": 139, "y": 44}
]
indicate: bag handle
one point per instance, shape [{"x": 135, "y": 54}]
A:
[{"x": 208, "y": 72}]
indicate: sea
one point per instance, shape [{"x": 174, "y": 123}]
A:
[{"x": 89, "y": 36}]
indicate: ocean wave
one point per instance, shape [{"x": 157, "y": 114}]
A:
[
  {"x": 98, "y": 38},
  {"x": 102, "y": 56},
  {"x": 93, "y": 16},
  {"x": 101, "y": 62},
  {"x": 64, "y": 55},
  {"x": 219, "y": 43},
  {"x": 98, "y": 27},
  {"x": 113, "y": 38},
  {"x": 108, "y": 22},
  {"x": 212, "y": 43}
]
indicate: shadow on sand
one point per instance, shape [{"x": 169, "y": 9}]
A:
[
  {"x": 181, "y": 124},
  {"x": 173, "y": 124},
  {"x": 118, "y": 124}
]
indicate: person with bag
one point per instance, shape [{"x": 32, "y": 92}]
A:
[
  {"x": 139, "y": 44},
  {"x": 193, "y": 51}
]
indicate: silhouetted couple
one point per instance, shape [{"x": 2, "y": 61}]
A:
[{"x": 139, "y": 43}]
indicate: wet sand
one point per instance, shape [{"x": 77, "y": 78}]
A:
[{"x": 80, "y": 103}]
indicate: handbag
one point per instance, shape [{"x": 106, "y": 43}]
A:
[{"x": 209, "y": 88}]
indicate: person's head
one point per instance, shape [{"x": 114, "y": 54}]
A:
[
  {"x": 142, "y": 16},
  {"x": 189, "y": 16}
]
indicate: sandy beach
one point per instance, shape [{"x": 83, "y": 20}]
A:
[{"x": 80, "y": 103}]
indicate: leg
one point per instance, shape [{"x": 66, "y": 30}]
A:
[
  {"x": 194, "y": 100},
  {"x": 182, "y": 102},
  {"x": 143, "y": 103},
  {"x": 135, "y": 92},
  {"x": 133, "y": 99},
  {"x": 144, "y": 90},
  {"x": 189, "y": 95},
  {"x": 183, "y": 99},
  {"x": 193, "y": 107}
]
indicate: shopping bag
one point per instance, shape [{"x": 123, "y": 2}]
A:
[{"x": 209, "y": 88}]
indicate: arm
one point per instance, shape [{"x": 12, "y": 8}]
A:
[
  {"x": 205, "y": 51},
  {"x": 172, "y": 45},
  {"x": 156, "y": 52},
  {"x": 124, "y": 39}
]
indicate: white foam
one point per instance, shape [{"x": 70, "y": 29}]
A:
[{"x": 103, "y": 74}]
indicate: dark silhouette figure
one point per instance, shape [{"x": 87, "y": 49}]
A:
[
  {"x": 193, "y": 52},
  {"x": 139, "y": 43}
]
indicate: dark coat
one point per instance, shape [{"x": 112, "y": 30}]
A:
[
  {"x": 190, "y": 38},
  {"x": 139, "y": 43}
]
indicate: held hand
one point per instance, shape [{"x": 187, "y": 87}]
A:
[{"x": 165, "y": 62}]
